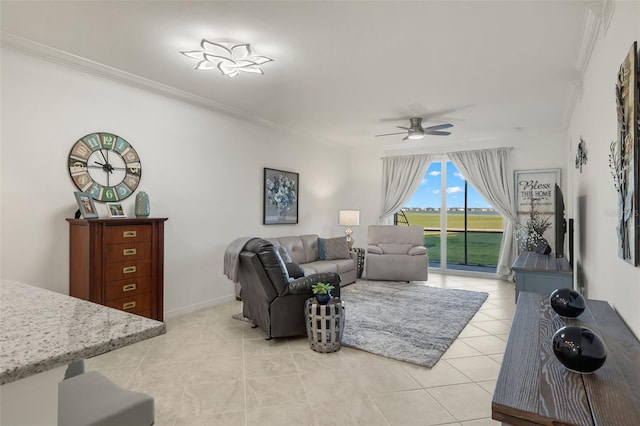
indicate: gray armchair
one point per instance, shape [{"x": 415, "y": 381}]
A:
[
  {"x": 271, "y": 299},
  {"x": 396, "y": 253}
]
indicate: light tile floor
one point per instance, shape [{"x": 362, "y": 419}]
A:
[{"x": 210, "y": 369}]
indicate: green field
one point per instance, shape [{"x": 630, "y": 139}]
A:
[
  {"x": 456, "y": 221},
  {"x": 482, "y": 247}
]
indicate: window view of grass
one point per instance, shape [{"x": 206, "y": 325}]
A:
[
  {"x": 483, "y": 237},
  {"x": 491, "y": 222}
]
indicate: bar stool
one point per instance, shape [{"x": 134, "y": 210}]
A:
[{"x": 90, "y": 399}]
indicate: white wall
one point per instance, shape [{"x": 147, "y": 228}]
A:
[
  {"x": 203, "y": 170},
  {"x": 599, "y": 270}
]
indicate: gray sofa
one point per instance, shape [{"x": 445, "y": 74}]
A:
[{"x": 303, "y": 250}]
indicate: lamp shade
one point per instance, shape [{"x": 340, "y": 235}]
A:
[{"x": 349, "y": 217}]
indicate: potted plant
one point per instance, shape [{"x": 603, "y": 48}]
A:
[
  {"x": 531, "y": 233},
  {"x": 322, "y": 292}
]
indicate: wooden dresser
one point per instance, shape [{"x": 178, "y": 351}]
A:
[{"x": 118, "y": 263}]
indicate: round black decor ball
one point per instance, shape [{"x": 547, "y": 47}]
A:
[
  {"x": 567, "y": 302},
  {"x": 579, "y": 349}
]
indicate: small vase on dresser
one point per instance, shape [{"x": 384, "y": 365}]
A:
[{"x": 143, "y": 209}]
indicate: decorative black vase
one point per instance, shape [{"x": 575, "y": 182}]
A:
[
  {"x": 323, "y": 299},
  {"x": 579, "y": 349},
  {"x": 567, "y": 302}
]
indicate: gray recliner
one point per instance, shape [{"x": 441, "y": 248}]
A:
[
  {"x": 396, "y": 253},
  {"x": 270, "y": 299}
]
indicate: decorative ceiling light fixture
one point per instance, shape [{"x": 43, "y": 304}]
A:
[{"x": 228, "y": 57}]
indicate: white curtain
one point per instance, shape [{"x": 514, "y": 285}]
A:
[
  {"x": 401, "y": 176},
  {"x": 487, "y": 170}
]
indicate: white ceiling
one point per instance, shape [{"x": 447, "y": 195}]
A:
[{"x": 341, "y": 68}]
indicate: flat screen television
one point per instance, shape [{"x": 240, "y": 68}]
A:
[{"x": 560, "y": 223}]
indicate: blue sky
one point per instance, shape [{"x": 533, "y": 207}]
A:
[{"x": 429, "y": 192}]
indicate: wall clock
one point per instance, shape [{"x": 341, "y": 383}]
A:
[{"x": 105, "y": 166}]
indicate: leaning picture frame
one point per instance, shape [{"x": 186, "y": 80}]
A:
[
  {"x": 535, "y": 204},
  {"x": 281, "y": 197},
  {"x": 86, "y": 206},
  {"x": 115, "y": 210}
]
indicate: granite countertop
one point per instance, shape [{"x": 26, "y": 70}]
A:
[{"x": 41, "y": 330}]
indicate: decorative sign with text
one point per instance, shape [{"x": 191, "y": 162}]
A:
[{"x": 535, "y": 200}]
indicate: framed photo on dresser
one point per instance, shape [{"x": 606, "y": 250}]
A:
[
  {"x": 115, "y": 210},
  {"x": 86, "y": 206}
]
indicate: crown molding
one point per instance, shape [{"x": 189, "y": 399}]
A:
[
  {"x": 588, "y": 36},
  {"x": 608, "y": 7},
  {"x": 50, "y": 54},
  {"x": 589, "y": 33}
]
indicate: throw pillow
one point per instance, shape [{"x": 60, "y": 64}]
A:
[
  {"x": 336, "y": 248},
  {"x": 294, "y": 270},
  {"x": 321, "y": 252}
]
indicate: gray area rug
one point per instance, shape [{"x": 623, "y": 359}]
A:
[{"x": 408, "y": 322}]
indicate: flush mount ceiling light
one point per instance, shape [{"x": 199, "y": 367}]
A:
[{"x": 228, "y": 57}]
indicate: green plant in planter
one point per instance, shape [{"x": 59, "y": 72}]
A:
[
  {"x": 322, "y": 288},
  {"x": 322, "y": 292}
]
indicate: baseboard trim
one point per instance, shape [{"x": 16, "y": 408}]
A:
[{"x": 198, "y": 306}]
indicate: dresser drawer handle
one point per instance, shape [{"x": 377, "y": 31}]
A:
[
  {"x": 129, "y": 287},
  {"x": 129, "y": 269},
  {"x": 129, "y": 234},
  {"x": 129, "y": 305},
  {"x": 129, "y": 252}
]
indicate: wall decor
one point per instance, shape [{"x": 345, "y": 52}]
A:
[
  {"x": 115, "y": 210},
  {"x": 280, "y": 197},
  {"x": 535, "y": 206},
  {"x": 105, "y": 166},
  {"x": 581, "y": 155},
  {"x": 624, "y": 157},
  {"x": 86, "y": 206}
]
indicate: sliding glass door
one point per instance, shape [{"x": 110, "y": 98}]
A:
[{"x": 462, "y": 231}]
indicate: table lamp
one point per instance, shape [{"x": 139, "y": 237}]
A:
[{"x": 349, "y": 218}]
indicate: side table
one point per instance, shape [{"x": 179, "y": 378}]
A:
[
  {"x": 325, "y": 324},
  {"x": 359, "y": 252},
  {"x": 539, "y": 273}
]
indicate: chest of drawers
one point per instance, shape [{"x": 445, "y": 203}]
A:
[{"x": 118, "y": 263}]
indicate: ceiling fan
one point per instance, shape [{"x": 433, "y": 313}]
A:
[{"x": 416, "y": 131}]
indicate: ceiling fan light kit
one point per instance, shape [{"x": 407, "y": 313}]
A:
[{"x": 416, "y": 131}]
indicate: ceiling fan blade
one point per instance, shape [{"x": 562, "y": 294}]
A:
[
  {"x": 403, "y": 118},
  {"x": 389, "y": 134},
  {"x": 429, "y": 116},
  {"x": 405, "y": 128},
  {"x": 438, "y": 127},
  {"x": 436, "y": 133},
  {"x": 405, "y": 138}
]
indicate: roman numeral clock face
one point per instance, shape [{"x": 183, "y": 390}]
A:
[{"x": 105, "y": 166}]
